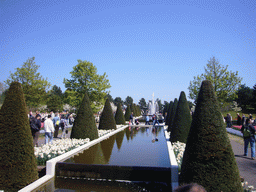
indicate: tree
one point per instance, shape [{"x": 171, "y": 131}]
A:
[
  {"x": 169, "y": 110},
  {"x": 160, "y": 105},
  {"x": 18, "y": 162},
  {"x": 127, "y": 113},
  {"x": 118, "y": 100},
  {"x": 225, "y": 82},
  {"x": 119, "y": 117},
  {"x": 107, "y": 120},
  {"x": 143, "y": 103},
  {"x": 172, "y": 115},
  {"x": 128, "y": 101},
  {"x": 208, "y": 158},
  {"x": 84, "y": 79},
  {"x": 84, "y": 124},
  {"x": 110, "y": 98},
  {"x": 55, "y": 99},
  {"x": 34, "y": 85},
  {"x": 182, "y": 120},
  {"x": 56, "y": 91},
  {"x": 244, "y": 96},
  {"x": 3, "y": 91}
]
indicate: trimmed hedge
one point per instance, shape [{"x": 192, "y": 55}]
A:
[
  {"x": 119, "y": 117},
  {"x": 127, "y": 113},
  {"x": 107, "y": 120},
  {"x": 84, "y": 124},
  {"x": 208, "y": 158},
  {"x": 172, "y": 115},
  {"x": 18, "y": 166},
  {"x": 169, "y": 110},
  {"x": 182, "y": 121}
]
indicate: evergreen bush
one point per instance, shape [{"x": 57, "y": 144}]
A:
[
  {"x": 172, "y": 115},
  {"x": 127, "y": 113},
  {"x": 119, "y": 117},
  {"x": 168, "y": 113},
  {"x": 182, "y": 121},
  {"x": 84, "y": 124},
  {"x": 107, "y": 120},
  {"x": 208, "y": 158},
  {"x": 18, "y": 166}
]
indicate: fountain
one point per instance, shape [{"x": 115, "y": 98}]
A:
[{"x": 153, "y": 106}]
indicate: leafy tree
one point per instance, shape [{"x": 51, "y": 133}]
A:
[
  {"x": 119, "y": 116},
  {"x": 245, "y": 96},
  {"x": 54, "y": 103},
  {"x": 172, "y": 115},
  {"x": 128, "y": 100},
  {"x": 56, "y": 91},
  {"x": 225, "y": 82},
  {"x": 182, "y": 121},
  {"x": 127, "y": 113},
  {"x": 84, "y": 79},
  {"x": 160, "y": 105},
  {"x": 208, "y": 158},
  {"x": 118, "y": 100},
  {"x": 107, "y": 120},
  {"x": 18, "y": 162},
  {"x": 84, "y": 124},
  {"x": 143, "y": 103},
  {"x": 34, "y": 85}
]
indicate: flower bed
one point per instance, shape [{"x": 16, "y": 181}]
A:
[
  {"x": 178, "y": 149},
  {"x": 58, "y": 147}
]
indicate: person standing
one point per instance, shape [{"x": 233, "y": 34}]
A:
[
  {"x": 155, "y": 120},
  {"x": 35, "y": 125},
  {"x": 229, "y": 120},
  {"x": 56, "y": 123},
  {"x": 239, "y": 119},
  {"x": 131, "y": 118},
  {"x": 249, "y": 136},
  {"x": 49, "y": 129},
  {"x": 65, "y": 129},
  {"x": 147, "y": 120}
]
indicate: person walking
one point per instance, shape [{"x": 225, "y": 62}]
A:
[
  {"x": 35, "y": 125},
  {"x": 49, "y": 129},
  {"x": 249, "y": 137},
  {"x": 155, "y": 120},
  {"x": 56, "y": 123}
]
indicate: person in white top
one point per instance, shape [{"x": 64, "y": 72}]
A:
[{"x": 49, "y": 129}]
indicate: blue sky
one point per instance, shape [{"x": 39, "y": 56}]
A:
[{"x": 143, "y": 46}]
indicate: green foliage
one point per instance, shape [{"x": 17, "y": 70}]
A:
[
  {"x": 245, "y": 97},
  {"x": 143, "y": 103},
  {"x": 225, "y": 82},
  {"x": 54, "y": 103},
  {"x": 84, "y": 79},
  {"x": 172, "y": 115},
  {"x": 128, "y": 100},
  {"x": 107, "y": 120},
  {"x": 17, "y": 159},
  {"x": 182, "y": 121},
  {"x": 84, "y": 124},
  {"x": 33, "y": 84},
  {"x": 208, "y": 158},
  {"x": 118, "y": 100},
  {"x": 127, "y": 113},
  {"x": 169, "y": 110},
  {"x": 119, "y": 117}
]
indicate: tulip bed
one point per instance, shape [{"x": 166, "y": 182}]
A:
[
  {"x": 178, "y": 149},
  {"x": 61, "y": 146}
]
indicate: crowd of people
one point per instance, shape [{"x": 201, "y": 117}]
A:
[{"x": 51, "y": 123}]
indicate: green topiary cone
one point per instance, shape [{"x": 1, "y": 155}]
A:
[
  {"x": 172, "y": 115},
  {"x": 119, "y": 117},
  {"x": 18, "y": 166},
  {"x": 84, "y": 124},
  {"x": 107, "y": 120},
  {"x": 127, "y": 113},
  {"x": 182, "y": 121},
  {"x": 208, "y": 158}
]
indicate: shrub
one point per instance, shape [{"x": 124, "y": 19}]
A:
[
  {"x": 127, "y": 113},
  {"x": 119, "y": 117},
  {"x": 17, "y": 159},
  {"x": 167, "y": 120},
  {"x": 84, "y": 124},
  {"x": 208, "y": 158},
  {"x": 174, "y": 107},
  {"x": 182, "y": 121},
  {"x": 107, "y": 120}
]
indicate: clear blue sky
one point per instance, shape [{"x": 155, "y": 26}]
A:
[{"x": 143, "y": 46}]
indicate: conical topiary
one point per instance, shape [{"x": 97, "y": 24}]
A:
[
  {"x": 107, "y": 120},
  {"x": 169, "y": 113},
  {"x": 119, "y": 117},
  {"x": 182, "y": 121},
  {"x": 172, "y": 115},
  {"x": 18, "y": 166},
  {"x": 127, "y": 113},
  {"x": 208, "y": 158},
  {"x": 84, "y": 124}
]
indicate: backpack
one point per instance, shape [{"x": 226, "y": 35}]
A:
[{"x": 246, "y": 132}]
